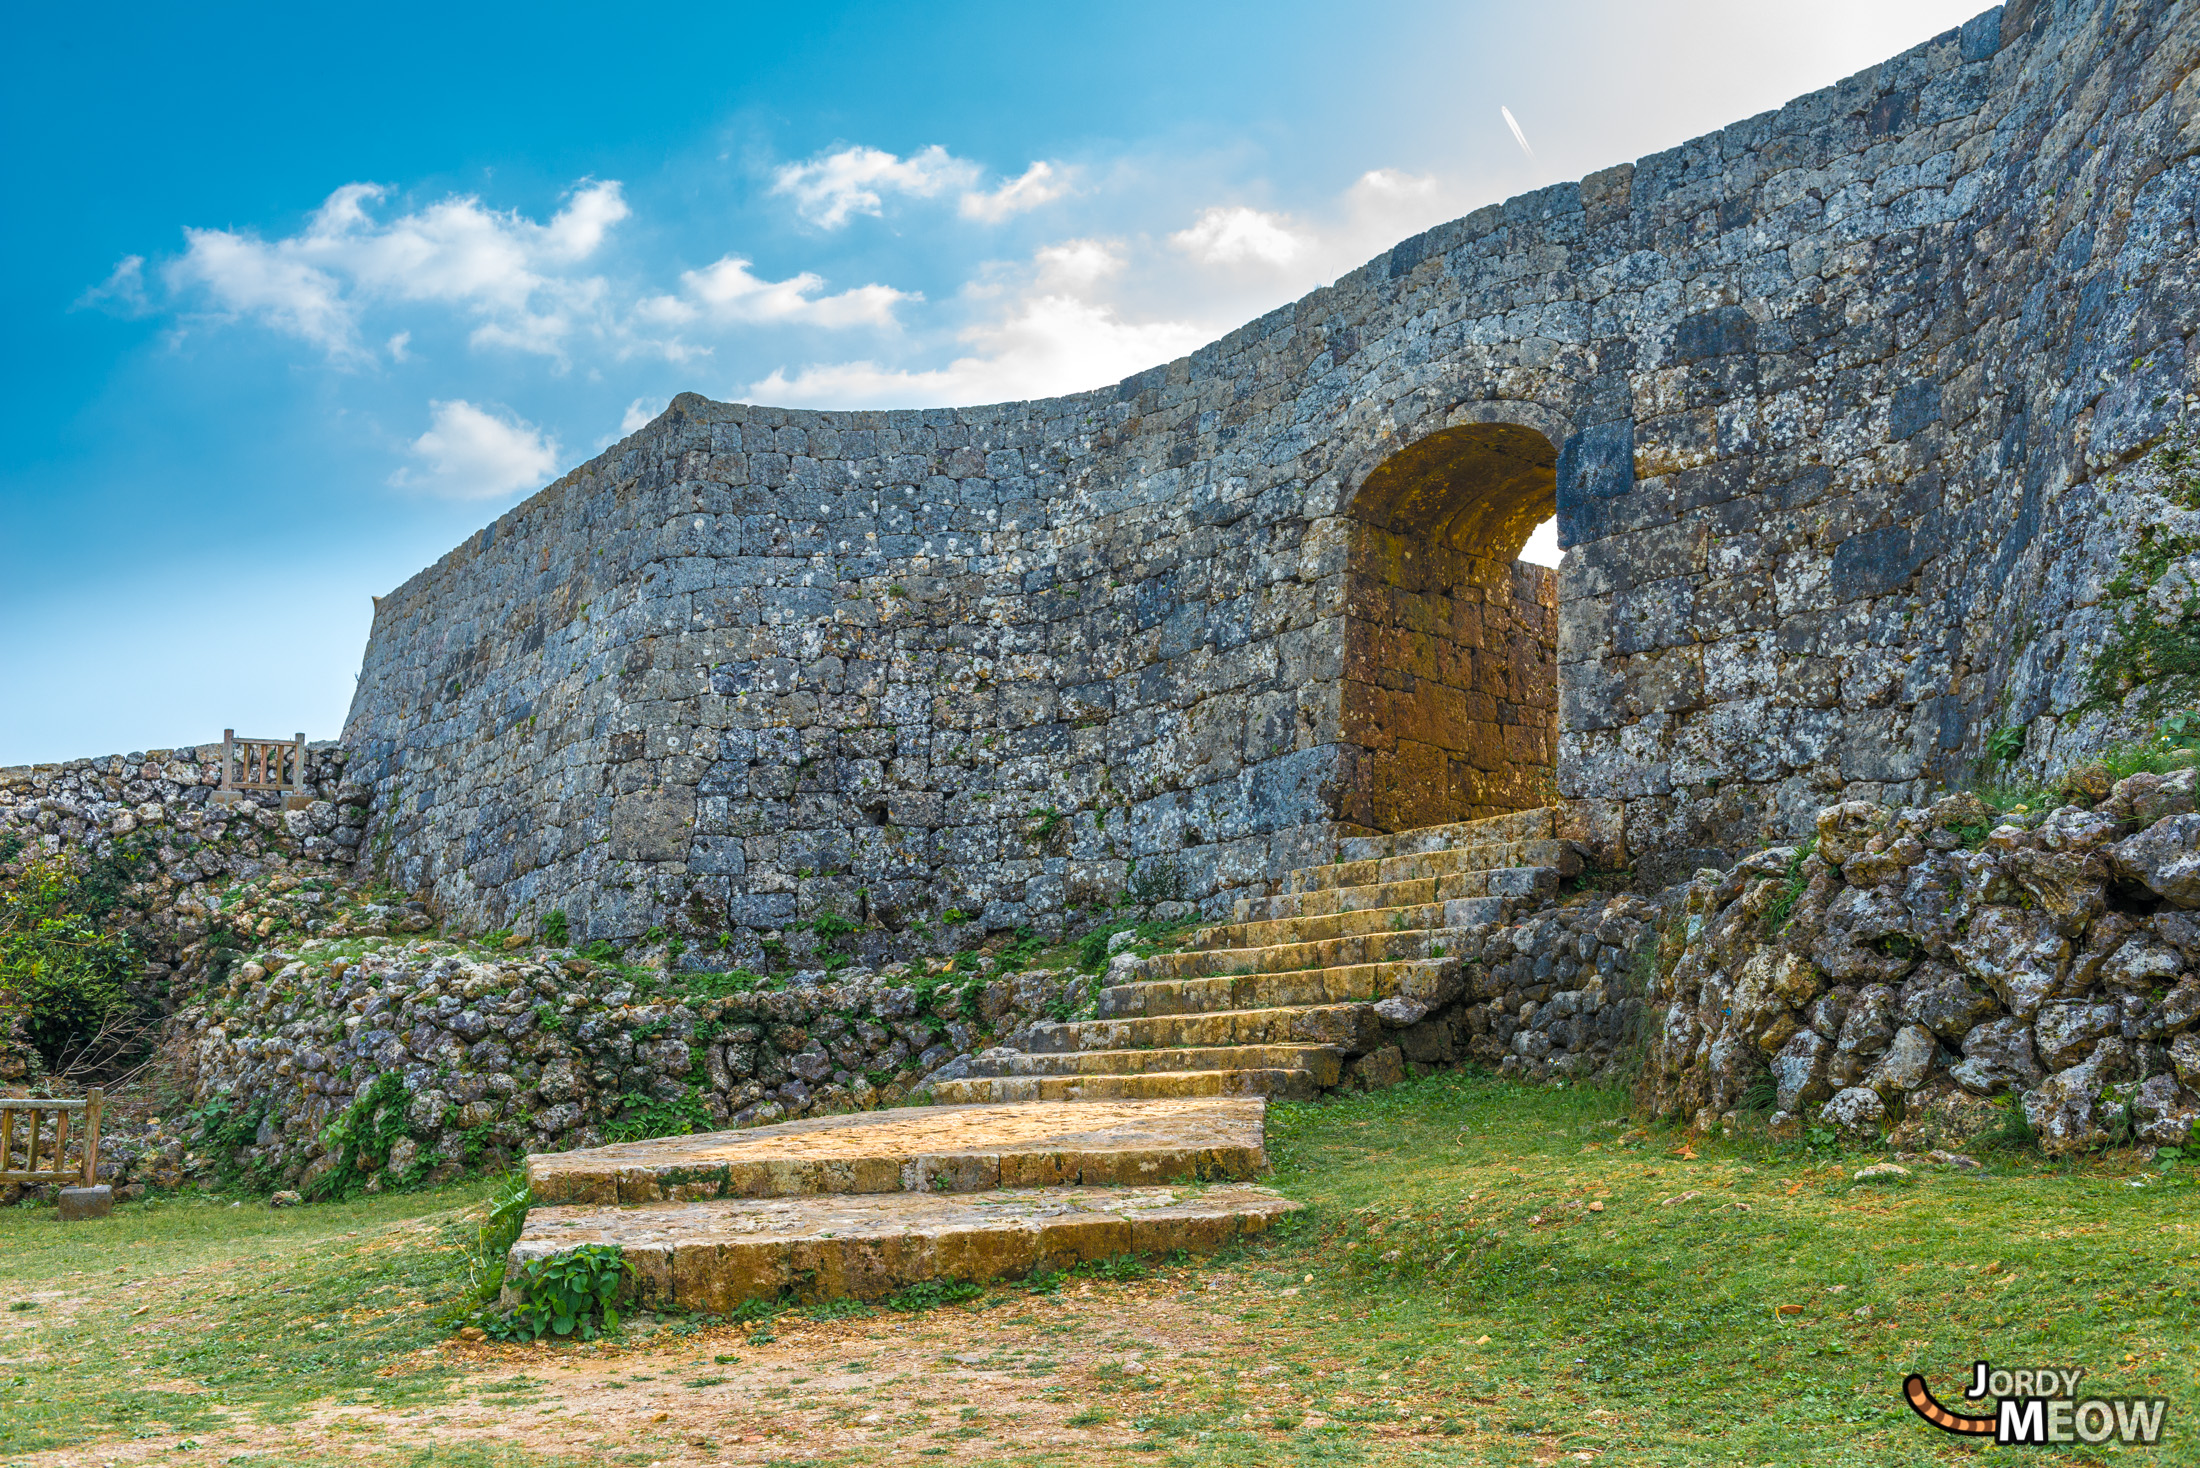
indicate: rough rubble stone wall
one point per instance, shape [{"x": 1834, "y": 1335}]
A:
[
  {"x": 541, "y": 1053},
  {"x": 1828, "y": 392},
  {"x": 1918, "y": 962}
]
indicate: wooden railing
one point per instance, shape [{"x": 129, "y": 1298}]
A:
[
  {"x": 58, "y": 1168},
  {"x": 263, "y": 764}
]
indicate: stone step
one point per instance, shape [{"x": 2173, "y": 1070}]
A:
[
  {"x": 1409, "y": 866},
  {"x": 1288, "y": 957},
  {"x": 1354, "y": 1028},
  {"x": 1424, "y": 978},
  {"x": 1293, "y": 1083},
  {"x": 1324, "y": 1062},
  {"x": 1332, "y": 899},
  {"x": 1520, "y": 825},
  {"x": 1506, "y": 882},
  {"x": 712, "y": 1257},
  {"x": 1315, "y": 927},
  {"x": 920, "y": 1149}
]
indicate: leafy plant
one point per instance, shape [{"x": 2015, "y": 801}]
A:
[
  {"x": 931, "y": 1294},
  {"x": 2006, "y": 744},
  {"x": 487, "y": 1255},
  {"x": 641, "y": 1117},
  {"x": 1782, "y": 906},
  {"x": 555, "y": 929},
  {"x": 64, "y": 968},
  {"x": 362, "y": 1138},
  {"x": 1092, "y": 949},
  {"x": 568, "y": 1294}
]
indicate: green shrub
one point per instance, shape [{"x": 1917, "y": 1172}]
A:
[
  {"x": 641, "y": 1117},
  {"x": 62, "y": 967},
  {"x": 569, "y": 1294},
  {"x": 362, "y": 1137},
  {"x": 555, "y": 929}
]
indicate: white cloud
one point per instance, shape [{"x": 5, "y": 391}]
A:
[
  {"x": 828, "y": 190},
  {"x": 639, "y": 415},
  {"x": 1231, "y": 234},
  {"x": 729, "y": 291},
  {"x": 1040, "y": 184},
  {"x": 122, "y": 292},
  {"x": 1084, "y": 312},
  {"x": 1046, "y": 343},
  {"x": 831, "y": 190},
  {"x": 1075, "y": 265},
  {"x": 496, "y": 265},
  {"x": 474, "y": 453}
]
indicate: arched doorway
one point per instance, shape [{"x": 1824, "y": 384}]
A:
[{"x": 1450, "y": 708}]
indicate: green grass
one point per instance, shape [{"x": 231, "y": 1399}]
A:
[
  {"x": 1441, "y": 1212},
  {"x": 244, "y": 1308},
  {"x": 1665, "y": 1316}
]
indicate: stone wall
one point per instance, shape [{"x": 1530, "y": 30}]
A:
[
  {"x": 504, "y": 1054},
  {"x": 1917, "y": 963},
  {"x": 1821, "y": 401}
]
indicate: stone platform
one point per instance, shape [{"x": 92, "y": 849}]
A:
[
  {"x": 712, "y": 1256},
  {"x": 924, "y": 1149}
]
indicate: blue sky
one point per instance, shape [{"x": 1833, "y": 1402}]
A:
[{"x": 297, "y": 300}]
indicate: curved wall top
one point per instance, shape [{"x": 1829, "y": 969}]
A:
[{"x": 1832, "y": 392}]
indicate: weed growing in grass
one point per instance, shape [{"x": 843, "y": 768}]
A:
[
  {"x": 931, "y": 1294},
  {"x": 573, "y": 1293}
]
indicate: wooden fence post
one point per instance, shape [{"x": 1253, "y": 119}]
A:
[{"x": 94, "y": 1100}]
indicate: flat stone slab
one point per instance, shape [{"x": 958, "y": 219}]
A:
[
  {"x": 925, "y": 1149},
  {"x": 712, "y": 1256}
]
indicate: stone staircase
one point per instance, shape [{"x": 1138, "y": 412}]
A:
[
  {"x": 1284, "y": 999},
  {"x": 1079, "y": 1146}
]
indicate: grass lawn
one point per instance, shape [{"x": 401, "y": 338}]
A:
[{"x": 1453, "y": 1295}]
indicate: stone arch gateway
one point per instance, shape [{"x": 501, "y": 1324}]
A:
[
  {"x": 1450, "y": 694},
  {"x": 1835, "y": 398}
]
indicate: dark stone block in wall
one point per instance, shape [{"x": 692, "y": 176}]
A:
[
  {"x": 1915, "y": 405},
  {"x": 1981, "y": 36},
  {"x": 1596, "y": 464},
  {"x": 1876, "y": 562},
  {"x": 1716, "y": 333},
  {"x": 652, "y": 825}
]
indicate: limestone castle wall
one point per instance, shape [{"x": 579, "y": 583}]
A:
[{"x": 1823, "y": 401}]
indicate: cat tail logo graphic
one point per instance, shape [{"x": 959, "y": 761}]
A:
[{"x": 1921, "y": 1400}]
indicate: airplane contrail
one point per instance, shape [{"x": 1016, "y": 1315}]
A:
[{"x": 1518, "y": 136}]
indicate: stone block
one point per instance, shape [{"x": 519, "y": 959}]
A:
[{"x": 79, "y": 1204}]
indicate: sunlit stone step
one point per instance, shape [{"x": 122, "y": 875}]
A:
[
  {"x": 712, "y": 1257},
  {"x": 1353, "y": 1027},
  {"x": 1427, "y": 979},
  {"x": 921, "y": 1149},
  {"x": 1290, "y": 1084}
]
